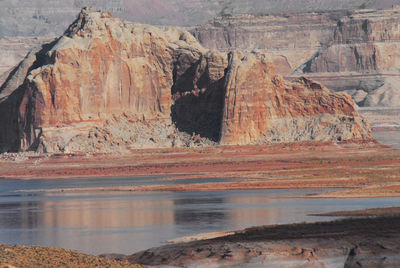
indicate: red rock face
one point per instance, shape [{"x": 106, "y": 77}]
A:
[
  {"x": 105, "y": 68},
  {"x": 257, "y": 101},
  {"x": 92, "y": 75}
]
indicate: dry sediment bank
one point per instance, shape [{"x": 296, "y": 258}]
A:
[
  {"x": 363, "y": 169},
  {"x": 367, "y": 242}
]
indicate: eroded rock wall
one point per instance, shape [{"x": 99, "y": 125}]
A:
[
  {"x": 289, "y": 40},
  {"x": 261, "y": 107},
  {"x": 345, "y": 50},
  {"x": 108, "y": 85}
]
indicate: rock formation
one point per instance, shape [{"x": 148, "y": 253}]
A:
[
  {"x": 260, "y": 107},
  {"x": 366, "y": 45},
  {"x": 353, "y": 51},
  {"x": 347, "y": 243},
  {"x": 108, "y": 83},
  {"x": 290, "y": 39},
  {"x": 13, "y": 50}
]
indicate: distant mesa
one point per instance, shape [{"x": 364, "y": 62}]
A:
[
  {"x": 51, "y": 17},
  {"x": 109, "y": 85},
  {"x": 352, "y": 51}
]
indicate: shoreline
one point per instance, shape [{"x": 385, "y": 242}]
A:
[
  {"x": 141, "y": 162},
  {"x": 286, "y": 242},
  {"x": 355, "y": 169},
  {"x": 347, "y": 242},
  {"x": 301, "y": 243}
]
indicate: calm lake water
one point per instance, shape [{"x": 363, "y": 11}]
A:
[
  {"x": 388, "y": 137},
  {"x": 126, "y": 222}
]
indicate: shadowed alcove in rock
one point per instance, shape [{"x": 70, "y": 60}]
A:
[{"x": 198, "y": 100}]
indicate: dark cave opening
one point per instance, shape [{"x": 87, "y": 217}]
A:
[{"x": 198, "y": 101}]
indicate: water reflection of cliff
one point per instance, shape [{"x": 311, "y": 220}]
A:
[
  {"x": 94, "y": 223},
  {"x": 120, "y": 222},
  {"x": 200, "y": 210},
  {"x": 235, "y": 211},
  {"x": 27, "y": 217},
  {"x": 265, "y": 209},
  {"x": 105, "y": 213}
]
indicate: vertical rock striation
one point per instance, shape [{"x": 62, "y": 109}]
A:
[{"x": 261, "y": 107}]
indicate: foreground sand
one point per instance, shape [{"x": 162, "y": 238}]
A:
[
  {"x": 356, "y": 169},
  {"x": 34, "y": 256}
]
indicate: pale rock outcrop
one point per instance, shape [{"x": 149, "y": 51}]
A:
[
  {"x": 289, "y": 40},
  {"x": 386, "y": 95},
  {"x": 14, "y": 49},
  {"x": 365, "y": 52},
  {"x": 111, "y": 85}
]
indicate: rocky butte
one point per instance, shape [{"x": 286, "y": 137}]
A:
[
  {"x": 111, "y": 85},
  {"x": 347, "y": 46}
]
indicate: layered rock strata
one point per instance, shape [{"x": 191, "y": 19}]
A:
[
  {"x": 108, "y": 83},
  {"x": 289, "y": 39},
  {"x": 365, "y": 45},
  {"x": 51, "y": 17},
  {"x": 352, "y": 51}
]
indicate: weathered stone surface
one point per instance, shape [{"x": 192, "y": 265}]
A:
[
  {"x": 345, "y": 50},
  {"x": 387, "y": 95},
  {"x": 107, "y": 83},
  {"x": 100, "y": 67},
  {"x": 14, "y": 49},
  {"x": 365, "y": 50},
  {"x": 261, "y": 107},
  {"x": 362, "y": 42},
  {"x": 357, "y": 95},
  {"x": 289, "y": 39},
  {"x": 347, "y": 243}
]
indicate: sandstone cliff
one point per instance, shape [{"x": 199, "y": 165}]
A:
[
  {"x": 108, "y": 83},
  {"x": 289, "y": 39},
  {"x": 353, "y": 51},
  {"x": 261, "y": 107}
]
